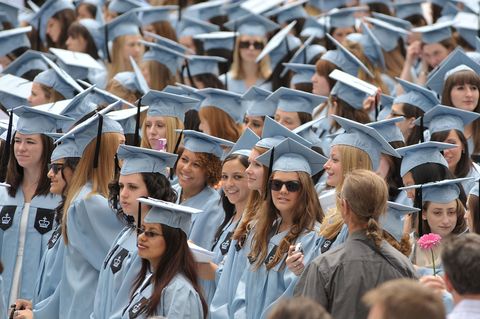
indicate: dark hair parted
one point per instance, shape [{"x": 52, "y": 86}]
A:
[
  {"x": 393, "y": 178},
  {"x": 70, "y": 163},
  {"x": 343, "y": 109},
  {"x": 65, "y": 17},
  {"x": 15, "y": 171},
  {"x": 410, "y": 111},
  {"x": 76, "y": 30},
  {"x": 177, "y": 259},
  {"x": 461, "y": 224},
  {"x": 465, "y": 163},
  {"x": 474, "y": 209}
]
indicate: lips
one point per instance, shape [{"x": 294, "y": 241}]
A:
[{"x": 140, "y": 246}]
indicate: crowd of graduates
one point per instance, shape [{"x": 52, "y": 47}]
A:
[{"x": 240, "y": 159}]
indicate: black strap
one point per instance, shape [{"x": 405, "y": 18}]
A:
[
  {"x": 107, "y": 51},
  {"x": 175, "y": 150},
  {"x": 99, "y": 141},
  {"x": 269, "y": 172},
  {"x": 136, "y": 136}
]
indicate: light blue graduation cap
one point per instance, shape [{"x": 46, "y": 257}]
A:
[
  {"x": 202, "y": 64},
  {"x": 393, "y": 219},
  {"x": 191, "y": 92},
  {"x": 169, "y": 214},
  {"x": 65, "y": 149},
  {"x": 86, "y": 131},
  {"x": 327, "y": 5},
  {"x": 307, "y": 52},
  {"x": 144, "y": 160},
  {"x": 305, "y": 131},
  {"x": 255, "y": 102},
  {"x": 388, "y": 129},
  {"x": 279, "y": 45},
  {"x": 400, "y": 23},
  {"x": 344, "y": 59},
  {"x": 245, "y": 143},
  {"x": 416, "y": 95},
  {"x": 29, "y": 60},
  {"x": 436, "y": 32},
  {"x": 302, "y": 72},
  {"x": 11, "y": 12},
  {"x": 174, "y": 90},
  {"x": 169, "y": 57},
  {"x": 99, "y": 96},
  {"x": 77, "y": 108},
  {"x": 125, "y": 24},
  {"x": 290, "y": 100},
  {"x": 40, "y": 19},
  {"x": 364, "y": 138},
  {"x": 386, "y": 101},
  {"x": 467, "y": 27},
  {"x": 387, "y": 33},
  {"x": 76, "y": 64},
  {"x": 14, "y": 91},
  {"x": 289, "y": 11},
  {"x": 217, "y": 40},
  {"x": 343, "y": 18},
  {"x": 475, "y": 190},
  {"x": 199, "y": 142},
  {"x": 229, "y": 102},
  {"x": 372, "y": 47},
  {"x": 127, "y": 118},
  {"x": 95, "y": 30},
  {"x": 235, "y": 10},
  {"x": 122, "y": 6},
  {"x": 404, "y": 10},
  {"x": 418, "y": 154},
  {"x": 35, "y": 121},
  {"x": 139, "y": 79},
  {"x": 206, "y": 10},
  {"x": 291, "y": 156},
  {"x": 449, "y": 11},
  {"x": 437, "y": 77},
  {"x": 252, "y": 24},
  {"x": 351, "y": 89},
  {"x": 168, "y": 104},
  {"x": 313, "y": 27},
  {"x": 442, "y": 192},
  {"x": 150, "y": 15},
  {"x": 13, "y": 39},
  {"x": 446, "y": 118},
  {"x": 190, "y": 27},
  {"x": 273, "y": 133},
  {"x": 168, "y": 43}
]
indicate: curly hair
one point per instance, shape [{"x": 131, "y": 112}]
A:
[{"x": 212, "y": 166}]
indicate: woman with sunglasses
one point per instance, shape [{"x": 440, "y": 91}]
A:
[
  {"x": 290, "y": 215},
  {"x": 62, "y": 166},
  {"x": 166, "y": 284}
]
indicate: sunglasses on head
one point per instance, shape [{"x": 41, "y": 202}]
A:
[
  {"x": 292, "y": 186},
  {"x": 257, "y": 45},
  {"x": 55, "y": 167}
]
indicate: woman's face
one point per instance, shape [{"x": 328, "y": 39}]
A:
[
  {"x": 131, "y": 187},
  {"x": 132, "y": 47},
  {"x": 406, "y": 125},
  {"x": 37, "y": 96},
  {"x": 453, "y": 155},
  {"x": 341, "y": 33},
  {"x": 155, "y": 127},
  {"x": 320, "y": 85},
  {"x": 255, "y": 123},
  {"x": 188, "y": 42},
  {"x": 76, "y": 44},
  {"x": 54, "y": 29},
  {"x": 151, "y": 244},
  {"x": 384, "y": 166},
  {"x": 409, "y": 181},
  {"x": 4, "y": 61},
  {"x": 441, "y": 218},
  {"x": 234, "y": 182},
  {"x": 333, "y": 168},
  {"x": 285, "y": 201},
  {"x": 255, "y": 172},
  {"x": 204, "y": 126},
  {"x": 149, "y": 28},
  {"x": 28, "y": 150},
  {"x": 190, "y": 171},
  {"x": 290, "y": 120},
  {"x": 434, "y": 53},
  {"x": 250, "y": 47},
  {"x": 465, "y": 96},
  {"x": 57, "y": 181}
]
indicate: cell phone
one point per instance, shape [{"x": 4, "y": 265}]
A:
[{"x": 298, "y": 248}]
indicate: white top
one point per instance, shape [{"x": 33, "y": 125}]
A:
[
  {"x": 466, "y": 309},
  {"x": 18, "y": 263}
]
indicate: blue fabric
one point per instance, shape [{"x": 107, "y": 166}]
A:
[
  {"x": 35, "y": 242},
  {"x": 239, "y": 86},
  {"x": 91, "y": 228}
]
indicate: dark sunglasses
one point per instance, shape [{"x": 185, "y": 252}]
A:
[
  {"x": 257, "y": 45},
  {"x": 292, "y": 186},
  {"x": 149, "y": 234},
  {"x": 55, "y": 167}
]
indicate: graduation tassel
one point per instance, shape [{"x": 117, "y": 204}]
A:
[
  {"x": 376, "y": 107},
  {"x": 420, "y": 228},
  {"x": 107, "y": 51},
  {"x": 136, "y": 136},
  {"x": 99, "y": 141},
  {"x": 269, "y": 173},
  {"x": 139, "y": 218},
  {"x": 190, "y": 78},
  {"x": 175, "y": 150},
  {"x": 422, "y": 128}
]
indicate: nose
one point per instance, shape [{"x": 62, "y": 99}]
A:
[
  {"x": 314, "y": 77},
  {"x": 50, "y": 173},
  {"x": 29, "y": 99},
  {"x": 327, "y": 164},
  {"x": 469, "y": 91}
]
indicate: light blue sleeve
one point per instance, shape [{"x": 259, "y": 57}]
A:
[
  {"x": 180, "y": 300},
  {"x": 49, "y": 307},
  {"x": 341, "y": 238},
  {"x": 3, "y": 303},
  {"x": 205, "y": 225},
  {"x": 238, "y": 309}
]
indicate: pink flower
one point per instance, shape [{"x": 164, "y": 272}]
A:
[{"x": 429, "y": 241}]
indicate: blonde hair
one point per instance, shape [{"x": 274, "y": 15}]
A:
[
  {"x": 119, "y": 63},
  {"x": 221, "y": 124},
  {"x": 160, "y": 75},
  {"x": 119, "y": 90},
  {"x": 172, "y": 124},
  {"x": 394, "y": 61},
  {"x": 100, "y": 177},
  {"x": 263, "y": 67}
]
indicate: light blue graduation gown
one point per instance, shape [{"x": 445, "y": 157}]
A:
[
  {"x": 117, "y": 275},
  {"x": 3, "y": 302},
  {"x": 262, "y": 288},
  {"x": 474, "y": 172},
  {"x": 39, "y": 228},
  {"x": 204, "y": 225},
  {"x": 92, "y": 226},
  {"x": 239, "y": 86},
  {"x": 179, "y": 300}
]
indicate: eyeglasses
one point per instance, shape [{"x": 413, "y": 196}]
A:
[
  {"x": 148, "y": 233},
  {"x": 55, "y": 167},
  {"x": 257, "y": 45},
  {"x": 393, "y": 114},
  {"x": 292, "y": 186}
]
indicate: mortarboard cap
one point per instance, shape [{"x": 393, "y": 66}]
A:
[
  {"x": 29, "y": 60},
  {"x": 217, "y": 40},
  {"x": 416, "y": 95},
  {"x": 255, "y": 102},
  {"x": 475, "y": 190},
  {"x": 150, "y": 15},
  {"x": 245, "y": 143},
  {"x": 206, "y": 10},
  {"x": 400, "y": 23},
  {"x": 34, "y": 121},
  {"x": 404, "y": 10},
  {"x": 436, "y": 32},
  {"x": 169, "y": 57},
  {"x": 290, "y": 100},
  {"x": 99, "y": 96},
  {"x": 125, "y": 24},
  {"x": 76, "y": 64},
  {"x": 273, "y": 133},
  {"x": 199, "y": 142},
  {"x": 386, "y": 101},
  {"x": 169, "y": 214},
  {"x": 229, "y": 102},
  {"x": 305, "y": 131},
  {"x": 191, "y": 92},
  {"x": 418, "y": 154},
  {"x": 467, "y": 27},
  {"x": 306, "y": 53},
  {"x": 123, "y": 6},
  {"x": 78, "y": 107},
  {"x": 40, "y": 19},
  {"x": 168, "y": 43},
  {"x": 446, "y": 118},
  {"x": 291, "y": 156},
  {"x": 190, "y": 27},
  {"x": 289, "y": 11},
  {"x": 65, "y": 149},
  {"x": 388, "y": 129},
  {"x": 11, "y": 12},
  {"x": 252, "y": 24},
  {"x": 327, "y": 5},
  {"x": 14, "y": 91},
  {"x": 13, "y": 39},
  {"x": 343, "y": 18},
  {"x": 386, "y": 33},
  {"x": 351, "y": 89},
  {"x": 442, "y": 192},
  {"x": 201, "y": 64},
  {"x": 127, "y": 118},
  {"x": 313, "y": 27},
  {"x": 364, "y": 138},
  {"x": 144, "y": 160},
  {"x": 279, "y": 45},
  {"x": 168, "y": 104},
  {"x": 393, "y": 219},
  {"x": 302, "y": 72},
  {"x": 95, "y": 29},
  {"x": 372, "y": 47}
]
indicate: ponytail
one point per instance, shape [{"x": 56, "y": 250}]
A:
[{"x": 374, "y": 231}]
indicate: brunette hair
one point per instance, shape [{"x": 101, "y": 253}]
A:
[
  {"x": 465, "y": 163},
  {"x": 298, "y": 308},
  {"x": 209, "y": 80},
  {"x": 50, "y": 93},
  {"x": 91, "y": 8},
  {"x": 461, "y": 224},
  {"x": 119, "y": 90},
  {"x": 71, "y": 163},
  {"x": 343, "y": 109},
  {"x": 221, "y": 124},
  {"x": 394, "y": 60},
  {"x": 76, "y": 30},
  {"x": 473, "y": 206},
  {"x": 165, "y": 29},
  {"x": 160, "y": 76},
  {"x": 393, "y": 178},
  {"x": 65, "y": 17},
  {"x": 410, "y": 111}
]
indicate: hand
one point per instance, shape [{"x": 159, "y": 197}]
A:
[
  {"x": 434, "y": 282},
  {"x": 371, "y": 102},
  {"x": 23, "y": 314},
  {"x": 414, "y": 51},
  {"x": 294, "y": 261},
  {"x": 23, "y": 304}
]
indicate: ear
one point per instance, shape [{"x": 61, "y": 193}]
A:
[
  {"x": 410, "y": 121},
  {"x": 424, "y": 215},
  {"x": 448, "y": 284}
]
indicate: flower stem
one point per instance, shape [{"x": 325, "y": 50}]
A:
[{"x": 433, "y": 262}]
